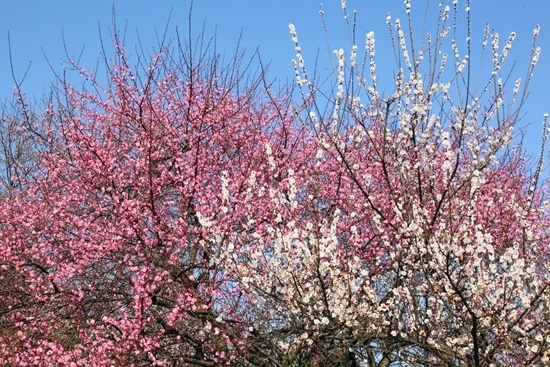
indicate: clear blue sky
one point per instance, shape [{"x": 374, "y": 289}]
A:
[{"x": 36, "y": 28}]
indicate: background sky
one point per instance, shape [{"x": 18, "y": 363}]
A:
[{"x": 38, "y": 30}]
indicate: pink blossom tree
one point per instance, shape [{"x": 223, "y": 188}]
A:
[{"x": 103, "y": 258}]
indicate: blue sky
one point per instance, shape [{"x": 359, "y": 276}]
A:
[{"x": 37, "y": 28}]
